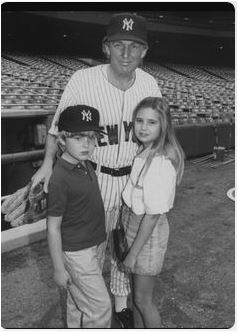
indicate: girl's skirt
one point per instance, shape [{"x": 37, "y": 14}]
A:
[{"x": 151, "y": 257}]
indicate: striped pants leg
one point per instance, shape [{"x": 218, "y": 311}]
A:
[{"x": 119, "y": 283}]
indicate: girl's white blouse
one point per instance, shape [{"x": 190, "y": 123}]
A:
[{"x": 155, "y": 195}]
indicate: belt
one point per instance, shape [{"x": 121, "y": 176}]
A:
[{"x": 113, "y": 171}]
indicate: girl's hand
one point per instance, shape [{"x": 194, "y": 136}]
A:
[
  {"x": 129, "y": 262},
  {"x": 62, "y": 278}
]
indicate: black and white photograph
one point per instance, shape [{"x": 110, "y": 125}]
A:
[{"x": 118, "y": 165}]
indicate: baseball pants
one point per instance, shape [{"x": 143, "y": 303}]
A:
[
  {"x": 111, "y": 190},
  {"x": 119, "y": 283}
]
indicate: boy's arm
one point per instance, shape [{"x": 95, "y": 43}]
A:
[
  {"x": 45, "y": 171},
  {"x": 61, "y": 276},
  {"x": 145, "y": 230}
]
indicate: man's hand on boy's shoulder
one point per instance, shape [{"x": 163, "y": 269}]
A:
[{"x": 62, "y": 278}]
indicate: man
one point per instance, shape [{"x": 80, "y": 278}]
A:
[{"x": 114, "y": 89}]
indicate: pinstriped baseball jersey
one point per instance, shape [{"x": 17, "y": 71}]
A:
[{"x": 91, "y": 87}]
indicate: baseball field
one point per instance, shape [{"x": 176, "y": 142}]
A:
[{"x": 196, "y": 288}]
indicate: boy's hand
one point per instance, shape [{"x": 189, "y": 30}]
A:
[{"x": 62, "y": 278}]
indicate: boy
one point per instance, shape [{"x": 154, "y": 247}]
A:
[{"x": 76, "y": 221}]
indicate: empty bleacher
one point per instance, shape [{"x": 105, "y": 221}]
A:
[{"x": 196, "y": 94}]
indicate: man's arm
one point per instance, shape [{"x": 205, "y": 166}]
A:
[
  {"x": 61, "y": 276},
  {"x": 45, "y": 171},
  {"x": 145, "y": 230}
]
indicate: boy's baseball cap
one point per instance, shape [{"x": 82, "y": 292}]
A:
[
  {"x": 75, "y": 119},
  {"x": 126, "y": 26}
]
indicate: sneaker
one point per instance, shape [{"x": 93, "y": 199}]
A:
[{"x": 125, "y": 318}]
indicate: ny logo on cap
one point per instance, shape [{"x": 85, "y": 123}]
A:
[
  {"x": 127, "y": 25},
  {"x": 87, "y": 116}
]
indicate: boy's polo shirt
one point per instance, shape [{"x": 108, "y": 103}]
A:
[{"x": 74, "y": 194}]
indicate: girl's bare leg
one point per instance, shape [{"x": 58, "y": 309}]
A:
[{"x": 143, "y": 301}]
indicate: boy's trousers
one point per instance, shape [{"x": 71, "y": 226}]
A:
[{"x": 88, "y": 301}]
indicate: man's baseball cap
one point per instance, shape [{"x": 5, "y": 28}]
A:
[
  {"x": 126, "y": 26},
  {"x": 75, "y": 119}
]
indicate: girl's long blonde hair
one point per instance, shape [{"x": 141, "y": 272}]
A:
[{"x": 166, "y": 144}]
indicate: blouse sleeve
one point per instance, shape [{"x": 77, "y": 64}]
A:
[{"x": 159, "y": 186}]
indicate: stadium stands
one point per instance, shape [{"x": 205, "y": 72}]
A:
[
  {"x": 196, "y": 94},
  {"x": 200, "y": 97}
]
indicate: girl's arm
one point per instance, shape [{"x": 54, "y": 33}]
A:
[
  {"x": 61, "y": 276},
  {"x": 144, "y": 232}
]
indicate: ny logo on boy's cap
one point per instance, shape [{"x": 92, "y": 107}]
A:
[
  {"x": 127, "y": 25},
  {"x": 78, "y": 118},
  {"x": 86, "y": 115}
]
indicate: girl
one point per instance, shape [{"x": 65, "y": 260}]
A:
[{"x": 148, "y": 196}]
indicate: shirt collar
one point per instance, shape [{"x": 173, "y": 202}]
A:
[
  {"x": 67, "y": 165},
  {"x": 143, "y": 154},
  {"x": 104, "y": 72}
]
